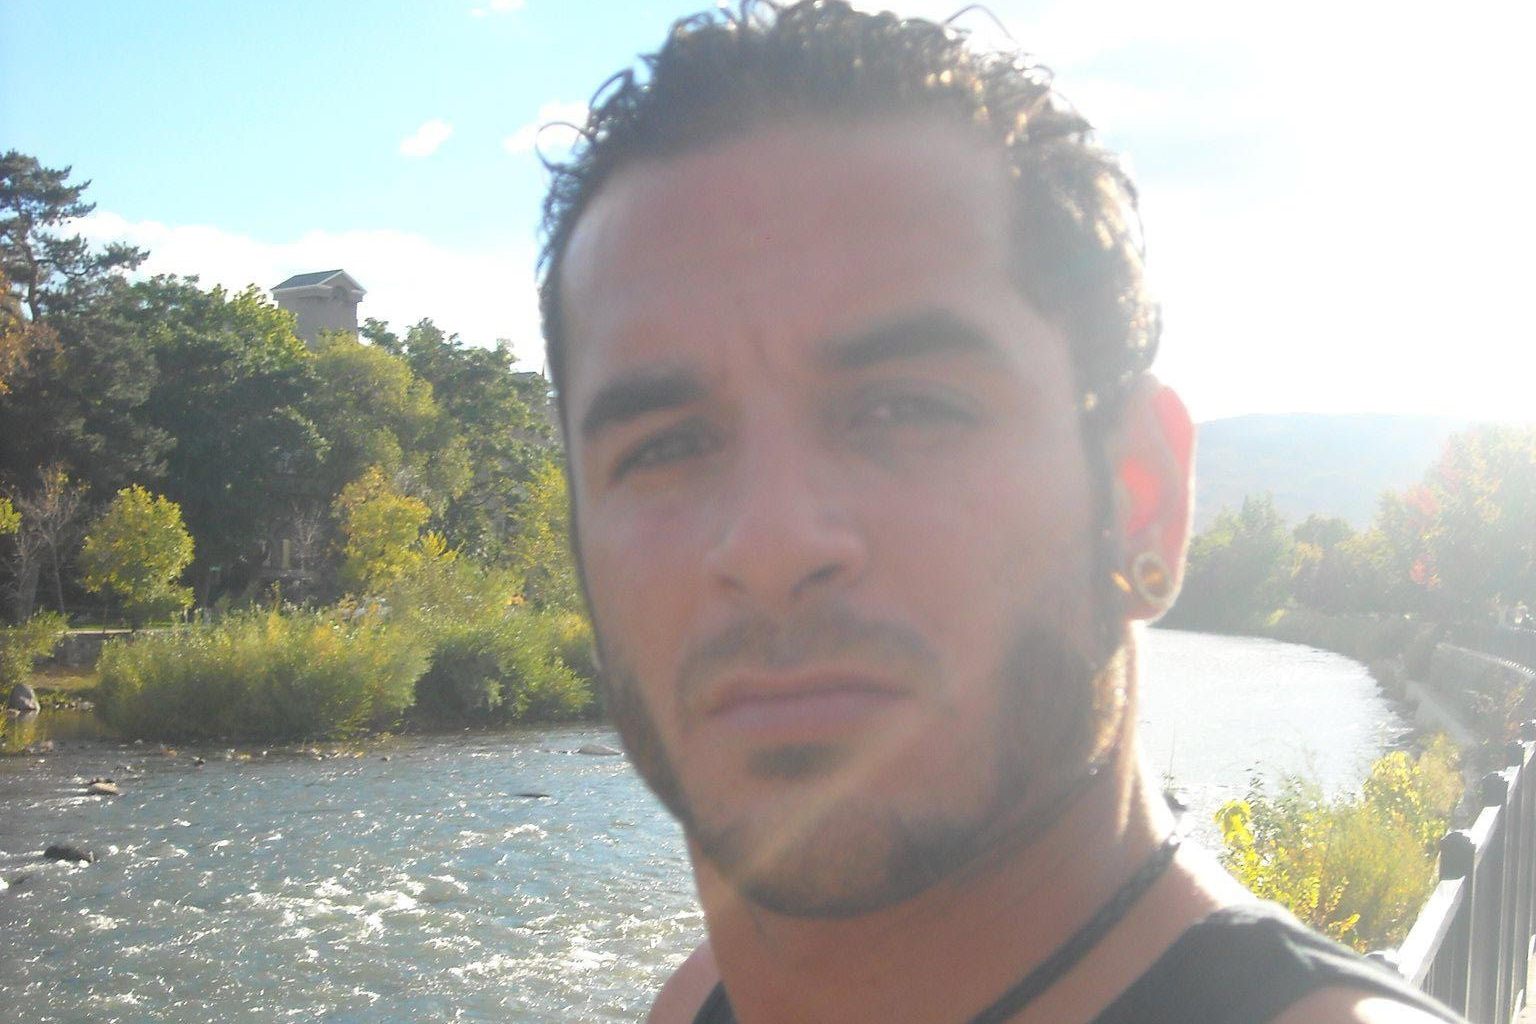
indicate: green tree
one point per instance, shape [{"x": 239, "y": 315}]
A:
[
  {"x": 137, "y": 550},
  {"x": 53, "y": 273},
  {"x": 10, "y": 519},
  {"x": 1239, "y": 570},
  {"x": 372, "y": 410},
  {"x": 502, "y": 417},
  {"x": 231, "y": 387},
  {"x": 76, "y": 396}
]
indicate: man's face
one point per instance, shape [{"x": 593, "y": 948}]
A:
[{"x": 834, "y": 512}]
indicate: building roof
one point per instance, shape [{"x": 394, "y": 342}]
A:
[{"x": 316, "y": 278}]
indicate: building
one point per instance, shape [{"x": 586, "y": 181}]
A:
[{"x": 322, "y": 301}]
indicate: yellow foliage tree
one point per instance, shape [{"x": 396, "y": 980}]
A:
[
  {"x": 137, "y": 550},
  {"x": 542, "y": 545},
  {"x": 383, "y": 531}
]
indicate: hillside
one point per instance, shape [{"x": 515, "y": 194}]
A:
[{"x": 1331, "y": 465}]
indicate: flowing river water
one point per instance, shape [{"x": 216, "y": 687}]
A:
[{"x": 420, "y": 878}]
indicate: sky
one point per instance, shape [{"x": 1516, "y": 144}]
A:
[{"x": 1336, "y": 195}]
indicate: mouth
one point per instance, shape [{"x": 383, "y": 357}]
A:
[{"x": 802, "y": 704}]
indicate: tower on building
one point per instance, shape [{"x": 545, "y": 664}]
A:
[{"x": 322, "y": 301}]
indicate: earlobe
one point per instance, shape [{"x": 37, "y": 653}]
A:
[{"x": 1153, "y": 479}]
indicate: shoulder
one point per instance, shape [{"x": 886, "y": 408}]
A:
[
  {"x": 1341, "y": 1005},
  {"x": 679, "y": 1000}
]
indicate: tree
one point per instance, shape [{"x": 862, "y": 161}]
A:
[
  {"x": 137, "y": 550},
  {"x": 1239, "y": 570},
  {"x": 77, "y": 386},
  {"x": 10, "y": 519},
  {"x": 54, "y": 274},
  {"x": 20, "y": 338},
  {"x": 502, "y": 417},
  {"x": 383, "y": 533},
  {"x": 1482, "y": 543},
  {"x": 372, "y": 410},
  {"x": 47, "y": 528},
  {"x": 231, "y": 384},
  {"x": 542, "y": 545}
]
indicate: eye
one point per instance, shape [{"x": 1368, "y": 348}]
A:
[
  {"x": 887, "y": 410},
  {"x": 687, "y": 440}
]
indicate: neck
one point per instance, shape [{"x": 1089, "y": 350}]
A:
[{"x": 976, "y": 932}]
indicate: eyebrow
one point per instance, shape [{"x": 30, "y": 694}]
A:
[
  {"x": 922, "y": 334},
  {"x": 636, "y": 394}
]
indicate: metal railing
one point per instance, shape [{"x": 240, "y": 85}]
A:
[{"x": 1471, "y": 945}]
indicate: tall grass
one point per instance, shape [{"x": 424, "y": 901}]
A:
[{"x": 261, "y": 675}]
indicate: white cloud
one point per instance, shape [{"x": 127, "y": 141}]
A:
[
  {"x": 496, "y": 7},
  {"x": 482, "y": 294},
  {"x": 557, "y": 115},
  {"x": 425, "y": 140}
]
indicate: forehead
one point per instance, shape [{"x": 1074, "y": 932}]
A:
[{"x": 795, "y": 230}]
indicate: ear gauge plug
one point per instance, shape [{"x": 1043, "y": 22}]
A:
[{"x": 1150, "y": 579}]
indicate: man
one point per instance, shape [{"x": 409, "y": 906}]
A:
[{"x": 869, "y": 480}]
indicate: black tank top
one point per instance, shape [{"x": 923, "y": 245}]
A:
[{"x": 1242, "y": 965}]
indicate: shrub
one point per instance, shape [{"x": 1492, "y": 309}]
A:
[
  {"x": 540, "y": 684},
  {"x": 261, "y": 676},
  {"x": 21, "y": 646},
  {"x": 508, "y": 667},
  {"x": 463, "y": 680},
  {"x": 1359, "y": 867}
]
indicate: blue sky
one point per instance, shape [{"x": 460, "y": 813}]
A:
[{"x": 1335, "y": 194}]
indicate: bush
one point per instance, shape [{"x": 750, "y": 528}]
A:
[
  {"x": 261, "y": 676},
  {"x": 21, "y": 646},
  {"x": 1357, "y": 868},
  {"x": 520, "y": 664},
  {"x": 541, "y": 685}
]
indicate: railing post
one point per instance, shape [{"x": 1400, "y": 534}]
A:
[
  {"x": 1496, "y": 951},
  {"x": 1522, "y": 814},
  {"x": 1453, "y": 964}
]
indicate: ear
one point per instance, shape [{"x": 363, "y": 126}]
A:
[{"x": 1153, "y": 456}]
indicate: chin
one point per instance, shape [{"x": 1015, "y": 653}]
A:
[{"x": 855, "y": 858}]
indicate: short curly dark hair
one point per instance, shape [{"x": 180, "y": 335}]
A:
[{"x": 721, "y": 73}]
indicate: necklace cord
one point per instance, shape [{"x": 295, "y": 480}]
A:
[{"x": 1067, "y": 955}]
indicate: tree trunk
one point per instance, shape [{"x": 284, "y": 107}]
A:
[
  {"x": 26, "y": 588},
  {"x": 58, "y": 581}
]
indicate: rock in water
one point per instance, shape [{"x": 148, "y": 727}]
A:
[
  {"x": 103, "y": 789},
  {"x": 22, "y": 699},
  {"x": 63, "y": 851},
  {"x": 598, "y": 750}
]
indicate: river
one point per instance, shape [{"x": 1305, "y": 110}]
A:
[{"x": 418, "y": 879}]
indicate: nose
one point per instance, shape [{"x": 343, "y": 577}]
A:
[{"x": 786, "y": 530}]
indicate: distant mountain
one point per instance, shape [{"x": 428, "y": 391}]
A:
[{"x": 1330, "y": 465}]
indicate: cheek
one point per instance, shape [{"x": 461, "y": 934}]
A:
[{"x": 641, "y": 571}]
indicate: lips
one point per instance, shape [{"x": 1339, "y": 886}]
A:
[{"x": 802, "y": 703}]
